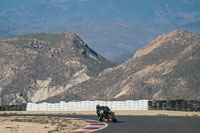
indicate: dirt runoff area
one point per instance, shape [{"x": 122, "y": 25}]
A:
[{"x": 23, "y": 124}]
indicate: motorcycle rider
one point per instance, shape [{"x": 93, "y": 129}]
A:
[{"x": 100, "y": 110}]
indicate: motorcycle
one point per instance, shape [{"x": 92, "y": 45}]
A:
[{"x": 107, "y": 115}]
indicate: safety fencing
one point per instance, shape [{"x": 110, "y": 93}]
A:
[
  {"x": 13, "y": 107},
  {"x": 88, "y": 105},
  {"x": 175, "y": 105}
]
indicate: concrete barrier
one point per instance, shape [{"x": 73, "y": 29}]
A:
[
  {"x": 175, "y": 105},
  {"x": 88, "y": 105}
]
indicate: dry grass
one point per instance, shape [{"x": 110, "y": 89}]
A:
[
  {"x": 38, "y": 124},
  {"x": 134, "y": 112}
]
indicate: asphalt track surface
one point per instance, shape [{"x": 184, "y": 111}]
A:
[{"x": 143, "y": 124}]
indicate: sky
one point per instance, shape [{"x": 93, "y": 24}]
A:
[{"x": 110, "y": 27}]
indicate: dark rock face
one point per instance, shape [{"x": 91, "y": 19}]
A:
[
  {"x": 36, "y": 67},
  {"x": 168, "y": 68}
]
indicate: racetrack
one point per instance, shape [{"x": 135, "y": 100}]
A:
[
  {"x": 144, "y": 124},
  {"x": 153, "y": 124}
]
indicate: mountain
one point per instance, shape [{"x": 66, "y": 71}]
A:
[
  {"x": 38, "y": 66},
  {"x": 168, "y": 68},
  {"x": 111, "y": 27}
]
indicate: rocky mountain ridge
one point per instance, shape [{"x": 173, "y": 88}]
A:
[
  {"x": 54, "y": 67},
  {"x": 168, "y": 68},
  {"x": 38, "y": 66}
]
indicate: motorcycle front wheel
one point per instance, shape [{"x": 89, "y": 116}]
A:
[{"x": 114, "y": 120}]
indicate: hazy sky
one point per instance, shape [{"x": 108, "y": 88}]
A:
[
  {"x": 110, "y": 27},
  {"x": 69, "y": 11}
]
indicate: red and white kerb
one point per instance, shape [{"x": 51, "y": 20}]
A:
[{"x": 92, "y": 126}]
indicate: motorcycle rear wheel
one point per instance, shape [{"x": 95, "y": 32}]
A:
[{"x": 114, "y": 120}]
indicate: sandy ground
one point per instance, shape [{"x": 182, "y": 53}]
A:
[
  {"x": 38, "y": 125},
  {"x": 134, "y": 112}
]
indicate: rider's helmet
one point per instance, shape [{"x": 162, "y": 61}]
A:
[{"x": 97, "y": 105}]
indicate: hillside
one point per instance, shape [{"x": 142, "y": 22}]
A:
[
  {"x": 38, "y": 66},
  {"x": 168, "y": 68}
]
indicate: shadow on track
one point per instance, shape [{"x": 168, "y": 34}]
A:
[{"x": 120, "y": 122}]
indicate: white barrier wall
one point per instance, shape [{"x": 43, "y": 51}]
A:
[{"x": 88, "y": 105}]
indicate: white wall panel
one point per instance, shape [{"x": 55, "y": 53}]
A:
[{"x": 89, "y": 105}]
